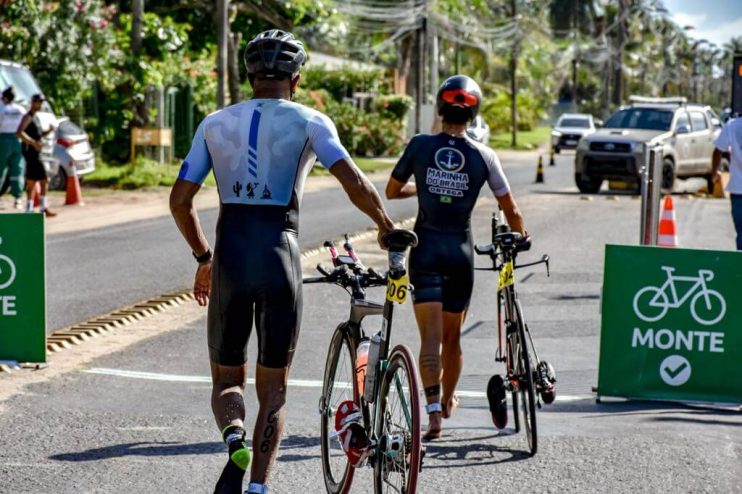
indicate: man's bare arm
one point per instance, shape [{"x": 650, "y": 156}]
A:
[
  {"x": 400, "y": 190},
  {"x": 181, "y": 206},
  {"x": 362, "y": 193},
  {"x": 512, "y": 213}
]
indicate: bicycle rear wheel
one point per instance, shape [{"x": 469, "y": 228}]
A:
[
  {"x": 527, "y": 386},
  {"x": 339, "y": 385},
  {"x": 398, "y": 428}
]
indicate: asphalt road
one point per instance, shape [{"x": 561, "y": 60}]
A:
[
  {"x": 138, "y": 420},
  {"x": 94, "y": 272}
]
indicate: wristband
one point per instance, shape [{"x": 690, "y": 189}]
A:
[{"x": 205, "y": 257}]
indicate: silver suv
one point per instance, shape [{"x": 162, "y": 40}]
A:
[{"x": 615, "y": 152}]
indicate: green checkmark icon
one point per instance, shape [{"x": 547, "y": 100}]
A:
[{"x": 673, "y": 373}]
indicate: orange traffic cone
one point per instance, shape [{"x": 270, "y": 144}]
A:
[
  {"x": 37, "y": 195},
  {"x": 74, "y": 195},
  {"x": 668, "y": 232}
]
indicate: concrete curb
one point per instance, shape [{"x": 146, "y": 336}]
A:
[{"x": 74, "y": 335}]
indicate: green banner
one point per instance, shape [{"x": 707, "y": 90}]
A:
[
  {"x": 671, "y": 324},
  {"x": 22, "y": 288}
]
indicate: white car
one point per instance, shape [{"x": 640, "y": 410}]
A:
[
  {"x": 25, "y": 86},
  {"x": 570, "y": 128},
  {"x": 479, "y": 130},
  {"x": 73, "y": 152}
]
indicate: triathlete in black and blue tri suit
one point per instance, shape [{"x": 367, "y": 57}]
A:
[
  {"x": 260, "y": 152},
  {"x": 449, "y": 168}
]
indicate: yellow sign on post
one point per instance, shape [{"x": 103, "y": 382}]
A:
[{"x": 151, "y": 137}]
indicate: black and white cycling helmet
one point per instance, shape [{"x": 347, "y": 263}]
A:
[
  {"x": 275, "y": 54},
  {"x": 458, "y": 99}
]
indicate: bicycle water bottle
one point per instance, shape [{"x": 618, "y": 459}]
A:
[
  {"x": 362, "y": 364},
  {"x": 372, "y": 365}
]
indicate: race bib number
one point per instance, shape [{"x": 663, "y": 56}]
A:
[
  {"x": 506, "y": 275},
  {"x": 397, "y": 290}
]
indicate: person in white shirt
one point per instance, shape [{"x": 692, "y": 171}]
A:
[
  {"x": 730, "y": 142},
  {"x": 11, "y": 160}
]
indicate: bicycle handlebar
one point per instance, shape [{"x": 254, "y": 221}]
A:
[{"x": 349, "y": 271}]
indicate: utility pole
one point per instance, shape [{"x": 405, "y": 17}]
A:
[
  {"x": 457, "y": 57},
  {"x": 222, "y": 19},
  {"x": 433, "y": 39},
  {"x": 420, "y": 68},
  {"x": 140, "y": 114},
  {"x": 620, "y": 37},
  {"x": 574, "y": 54},
  {"x": 513, "y": 75},
  {"x": 137, "y": 18}
]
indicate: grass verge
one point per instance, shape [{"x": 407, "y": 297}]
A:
[
  {"x": 526, "y": 139},
  {"x": 148, "y": 173}
]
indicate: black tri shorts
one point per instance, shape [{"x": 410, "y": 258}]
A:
[
  {"x": 442, "y": 268},
  {"x": 256, "y": 275}
]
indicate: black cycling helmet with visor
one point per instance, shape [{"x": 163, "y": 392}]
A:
[
  {"x": 274, "y": 54},
  {"x": 458, "y": 99}
]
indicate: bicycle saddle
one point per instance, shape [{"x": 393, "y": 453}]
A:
[{"x": 398, "y": 240}]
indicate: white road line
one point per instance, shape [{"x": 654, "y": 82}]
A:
[{"x": 298, "y": 383}]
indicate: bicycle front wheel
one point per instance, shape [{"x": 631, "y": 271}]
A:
[
  {"x": 398, "y": 428},
  {"x": 527, "y": 386},
  {"x": 339, "y": 385}
]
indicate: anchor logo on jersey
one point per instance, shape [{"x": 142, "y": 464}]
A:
[{"x": 449, "y": 159}]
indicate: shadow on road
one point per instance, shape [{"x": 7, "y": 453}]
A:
[
  {"x": 145, "y": 448},
  {"x": 462, "y": 453},
  {"x": 602, "y": 193},
  {"x": 655, "y": 410},
  {"x": 142, "y": 449},
  {"x": 289, "y": 443}
]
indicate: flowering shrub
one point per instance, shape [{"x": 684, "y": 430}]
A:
[{"x": 377, "y": 132}]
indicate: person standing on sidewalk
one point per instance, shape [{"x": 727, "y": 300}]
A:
[
  {"x": 260, "y": 152},
  {"x": 31, "y": 135},
  {"x": 11, "y": 160},
  {"x": 729, "y": 143},
  {"x": 450, "y": 169}
]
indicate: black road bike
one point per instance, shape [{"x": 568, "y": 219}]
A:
[
  {"x": 390, "y": 405},
  {"x": 527, "y": 377}
]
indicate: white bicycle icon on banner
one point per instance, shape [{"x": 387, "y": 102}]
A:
[
  {"x": 7, "y": 270},
  {"x": 707, "y": 306}
]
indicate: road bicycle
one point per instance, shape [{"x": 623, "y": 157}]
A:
[
  {"x": 652, "y": 297},
  {"x": 528, "y": 379},
  {"x": 390, "y": 401}
]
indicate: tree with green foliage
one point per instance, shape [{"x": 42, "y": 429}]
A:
[{"x": 65, "y": 44}]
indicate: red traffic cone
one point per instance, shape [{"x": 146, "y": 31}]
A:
[
  {"x": 74, "y": 194},
  {"x": 668, "y": 232},
  {"x": 37, "y": 195}
]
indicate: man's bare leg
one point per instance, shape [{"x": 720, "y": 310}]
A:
[
  {"x": 429, "y": 317},
  {"x": 228, "y": 405},
  {"x": 227, "y": 401},
  {"x": 451, "y": 358},
  {"x": 270, "y": 385}
]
